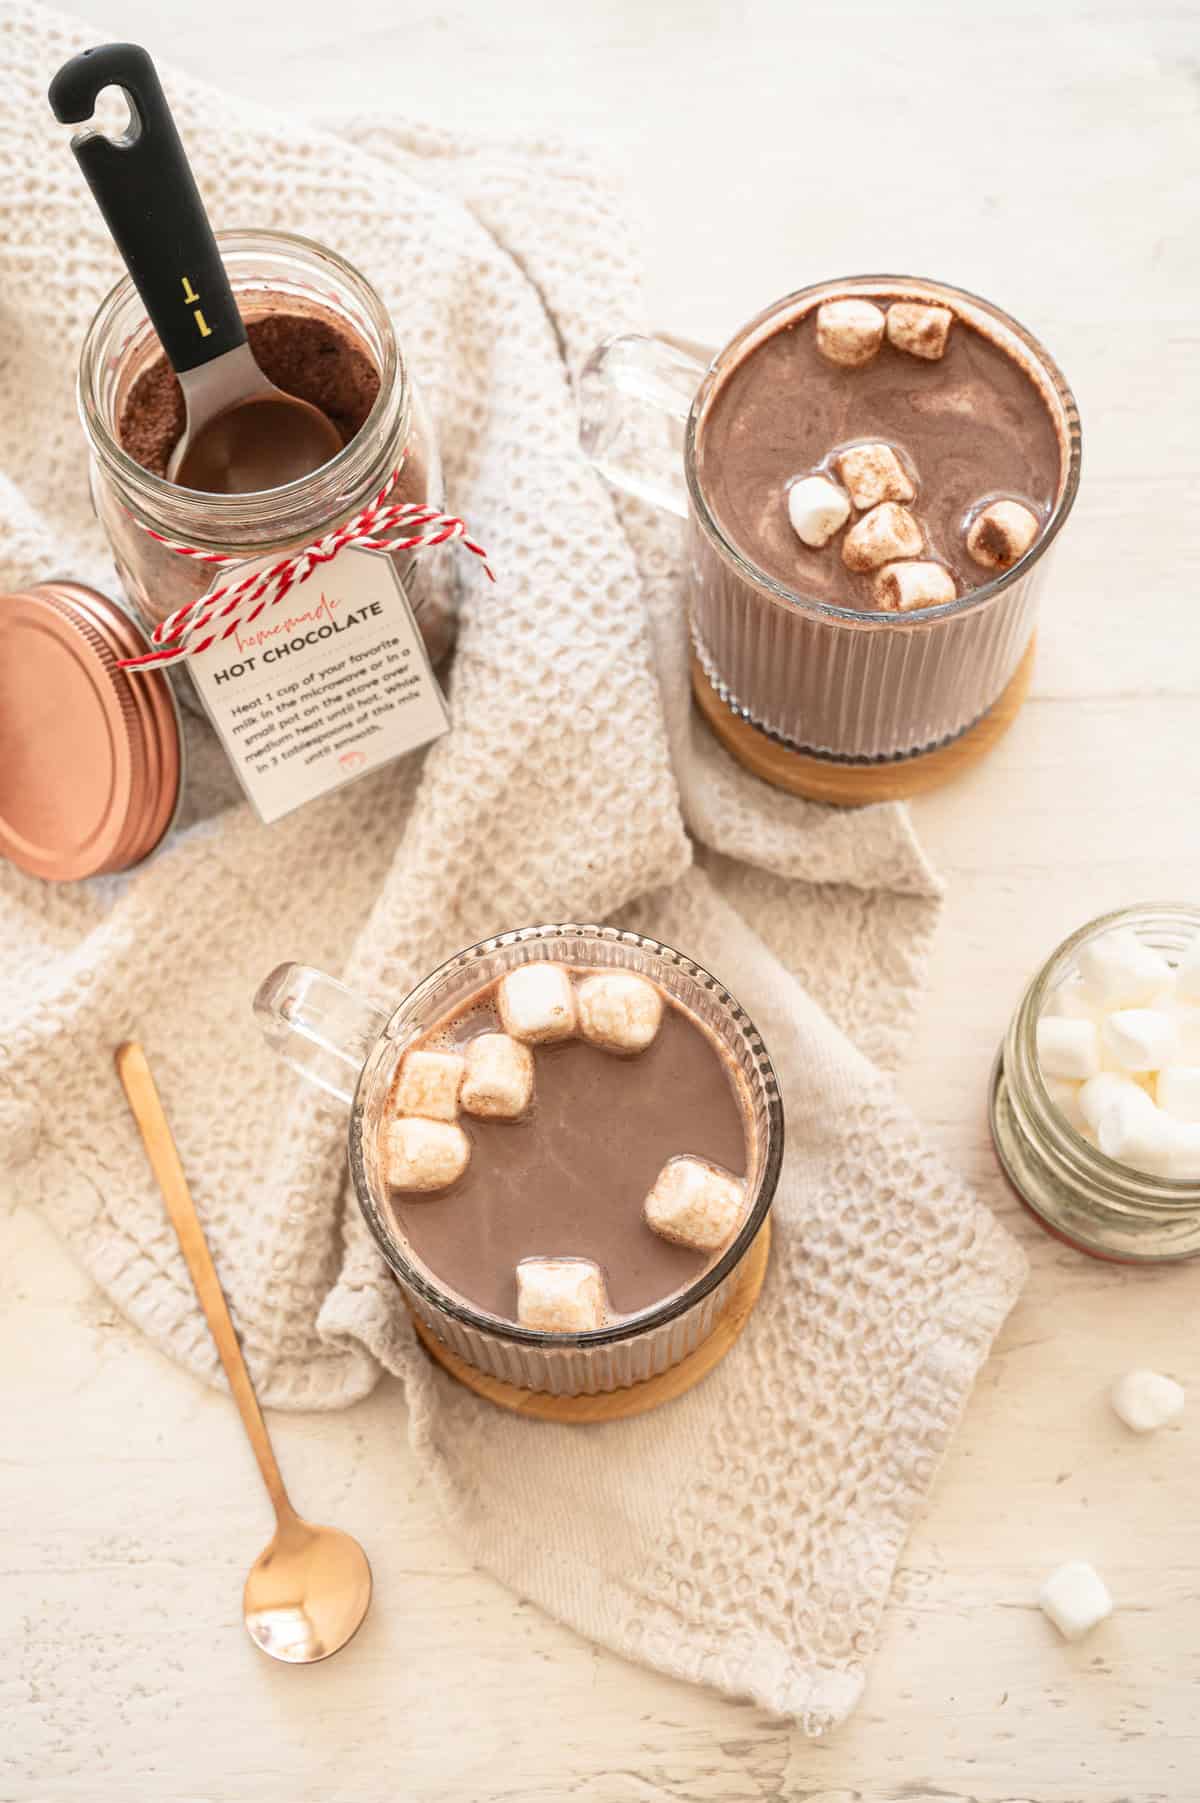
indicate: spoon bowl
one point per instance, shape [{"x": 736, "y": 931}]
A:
[{"x": 307, "y": 1592}]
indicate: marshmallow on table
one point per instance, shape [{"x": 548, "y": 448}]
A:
[
  {"x": 849, "y": 331},
  {"x": 1001, "y": 534},
  {"x": 1140, "y": 1039},
  {"x": 873, "y": 473},
  {"x": 901, "y": 587},
  {"x": 1177, "y": 1091},
  {"x": 560, "y": 1295},
  {"x": 889, "y": 531},
  {"x": 1068, "y": 1048},
  {"x": 695, "y": 1204},
  {"x": 1145, "y": 1400},
  {"x": 919, "y": 329},
  {"x": 1076, "y": 1599},
  {"x": 498, "y": 1084},
  {"x": 537, "y": 1003},
  {"x": 1120, "y": 971},
  {"x": 425, "y": 1155},
  {"x": 429, "y": 1084},
  {"x": 817, "y": 509},
  {"x": 619, "y": 1010}
]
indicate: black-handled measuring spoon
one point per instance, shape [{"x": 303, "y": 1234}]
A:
[{"x": 242, "y": 433}]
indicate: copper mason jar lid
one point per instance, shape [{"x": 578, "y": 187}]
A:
[{"x": 90, "y": 754}]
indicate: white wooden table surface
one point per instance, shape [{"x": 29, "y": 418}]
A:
[{"x": 1048, "y": 157}]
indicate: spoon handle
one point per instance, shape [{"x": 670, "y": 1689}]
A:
[
  {"x": 163, "y": 1154},
  {"x": 143, "y": 184}
]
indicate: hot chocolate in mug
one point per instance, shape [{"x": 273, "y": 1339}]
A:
[
  {"x": 706, "y": 1058},
  {"x": 783, "y": 635}
]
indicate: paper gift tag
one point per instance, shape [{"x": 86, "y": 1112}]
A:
[{"x": 328, "y": 685}]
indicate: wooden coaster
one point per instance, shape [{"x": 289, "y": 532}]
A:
[
  {"x": 618, "y": 1405},
  {"x": 853, "y": 785}
]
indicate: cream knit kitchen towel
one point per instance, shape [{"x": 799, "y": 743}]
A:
[{"x": 746, "y": 1535}]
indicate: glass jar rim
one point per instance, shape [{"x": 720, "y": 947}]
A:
[
  {"x": 658, "y": 1314},
  {"x": 1167, "y": 1194},
  {"x": 750, "y": 572},
  {"x": 194, "y": 510}
]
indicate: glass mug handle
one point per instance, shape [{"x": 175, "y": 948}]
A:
[
  {"x": 319, "y": 1027},
  {"x": 628, "y": 387}
]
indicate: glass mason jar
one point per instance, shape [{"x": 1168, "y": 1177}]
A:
[
  {"x": 351, "y": 1048},
  {"x": 832, "y": 682},
  {"x": 1093, "y": 1201},
  {"x": 270, "y": 272}
]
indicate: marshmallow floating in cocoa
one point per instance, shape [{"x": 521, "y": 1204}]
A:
[
  {"x": 537, "y": 1003},
  {"x": 817, "y": 508},
  {"x": 429, "y": 1084},
  {"x": 1001, "y": 534},
  {"x": 619, "y": 1010},
  {"x": 902, "y": 587},
  {"x": 423, "y": 1155},
  {"x": 873, "y": 473},
  {"x": 849, "y": 331},
  {"x": 918, "y": 329},
  {"x": 886, "y": 533},
  {"x": 695, "y": 1204},
  {"x": 498, "y": 1080},
  {"x": 560, "y": 1295}
]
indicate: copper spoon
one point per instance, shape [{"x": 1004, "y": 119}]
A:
[
  {"x": 307, "y": 1594},
  {"x": 242, "y": 433}
]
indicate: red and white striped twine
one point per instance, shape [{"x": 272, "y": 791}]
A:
[{"x": 239, "y": 603}]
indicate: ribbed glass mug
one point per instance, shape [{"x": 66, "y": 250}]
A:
[
  {"x": 833, "y": 682},
  {"x": 351, "y": 1047}
]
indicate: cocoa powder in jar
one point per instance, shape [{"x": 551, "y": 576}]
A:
[{"x": 307, "y": 353}]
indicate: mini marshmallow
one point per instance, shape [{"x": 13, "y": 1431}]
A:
[
  {"x": 920, "y": 330},
  {"x": 879, "y": 537},
  {"x": 849, "y": 332},
  {"x": 873, "y": 473},
  {"x": 1071, "y": 1001},
  {"x": 619, "y": 1011},
  {"x": 1182, "y": 1159},
  {"x": 817, "y": 509},
  {"x": 425, "y": 1155},
  {"x": 560, "y": 1295},
  {"x": 429, "y": 1084},
  {"x": 1068, "y": 1048},
  {"x": 1177, "y": 1092},
  {"x": 695, "y": 1204},
  {"x": 498, "y": 1084},
  {"x": 1001, "y": 534},
  {"x": 1187, "y": 974},
  {"x": 1133, "y": 1131},
  {"x": 1140, "y": 1039},
  {"x": 1145, "y": 1400},
  {"x": 1076, "y": 1599},
  {"x": 537, "y": 1003},
  {"x": 1101, "y": 1091},
  {"x": 901, "y": 587},
  {"x": 1119, "y": 971}
]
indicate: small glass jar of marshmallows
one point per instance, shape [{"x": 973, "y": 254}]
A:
[{"x": 1095, "y": 1102}]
